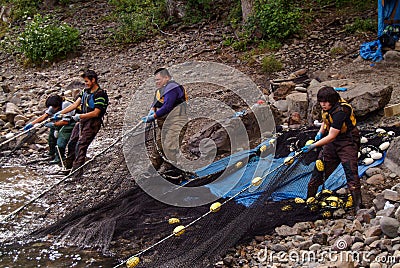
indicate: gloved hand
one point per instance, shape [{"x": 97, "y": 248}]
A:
[
  {"x": 56, "y": 134},
  {"x": 49, "y": 124},
  {"x": 318, "y": 136},
  {"x": 148, "y": 119},
  {"x": 308, "y": 148},
  {"x": 76, "y": 117},
  {"x": 28, "y": 126},
  {"x": 57, "y": 116},
  {"x": 151, "y": 112}
]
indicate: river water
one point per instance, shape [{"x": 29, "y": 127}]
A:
[{"x": 19, "y": 185}]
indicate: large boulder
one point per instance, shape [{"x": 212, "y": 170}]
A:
[
  {"x": 365, "y": 98},
  {"x": 11, "y": 111},
  {"x": 258, "y": 123},
  {"x": 392, "y": 160},
  {"x": 297, "y": 102}
]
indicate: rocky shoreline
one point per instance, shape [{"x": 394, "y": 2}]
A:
[{"x": 373, "y": 232}]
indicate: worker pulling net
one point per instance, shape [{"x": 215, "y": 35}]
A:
[{"x": 248, "y": 209}]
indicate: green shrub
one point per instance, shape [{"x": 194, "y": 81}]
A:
[
  {"x": 270, "y": 64},
  {"x": 45, "y": 39},
  {"x": 21, "y": 9},
  {"x": 196, "y": 10},
  {"x": 235, "y": 14},
  {"x": 134, "y": 27},
  {"x": 337, "y": 51},
  {"x": 362, "y": 25},
  {"x": 278, "y": 19},
  {"x": 271, "y": 44},
  {"x": 138, "y": 19}
]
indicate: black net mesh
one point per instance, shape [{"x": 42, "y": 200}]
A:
[{"x": 136, "y": 217}]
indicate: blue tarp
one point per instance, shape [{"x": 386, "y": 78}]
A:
[
  {"x": 388, "y": 10},
  {"x": 388, "y": 14},
  {"x": 293, "y": 187}
]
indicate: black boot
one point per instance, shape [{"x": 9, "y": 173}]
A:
[
  {"x": 312, "y": 190},
  {"x": 357, "y": 200}
]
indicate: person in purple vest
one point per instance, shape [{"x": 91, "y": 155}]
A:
[{"x": 169, "y": 111}]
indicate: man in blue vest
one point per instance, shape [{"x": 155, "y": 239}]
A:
[
  {"x": 169, "y": 108},
  {"x": 93, "y": 102}
]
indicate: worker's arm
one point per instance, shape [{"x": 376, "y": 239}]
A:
[
  {"x": 333, "y": 133},
  {"x": 72, "y": 107},
  {"x": 60, "y": 123},
  {"x": 40, "y": 119},
  {"x": 95, "y": 113},
  {"x": 322, "y": 128}
]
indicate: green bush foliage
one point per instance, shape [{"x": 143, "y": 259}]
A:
[
  {"x": 21, "y": 9},
  {"x": 361, "y": 26},
  {"x": 270, "y": 64},
  {"x": 44, "y": 39},
  {"x": 196, "y": 10},
  {"x": 276, "y": 19},
  {"x": 138, "y": 19}
]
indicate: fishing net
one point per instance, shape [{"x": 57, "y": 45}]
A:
[{"x": 247, "y": 210}]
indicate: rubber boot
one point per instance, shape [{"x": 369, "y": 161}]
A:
[
  {"x": 357, "y": 200},
  {"x": 312, "y": 190}
]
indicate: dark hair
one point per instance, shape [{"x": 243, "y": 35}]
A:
[
  {"x": 163, "y": 72},
  {"x": 54, "y": 101},
  {"x": 90, "y": 74},
  {"x": 328, "y": 94}
]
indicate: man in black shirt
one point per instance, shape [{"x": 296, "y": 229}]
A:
[
  {"x": 340, "y": 139},
  {"x": 93, "y": 102}
]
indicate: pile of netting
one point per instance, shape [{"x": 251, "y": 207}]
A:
[{"x": 163, "y": 235}]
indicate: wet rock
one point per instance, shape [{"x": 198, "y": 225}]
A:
[
  {"x": 388, "y": 212},
  {"x": 297, "y": 102},
  {"x": 19, "y": 123},
  {"x": 285, "y": 230},
  {"x": 5, "y": 88},
  {"x": 8, "y": 125},
  {"x": 279, "y": 247},
  {"x": 376, "y": 179},
  {"x": 20, "y": 117},
  {"x": 284, "y": 89},
  {"x": 315, "y": 247},
  {"x": 364, "y": 98},
  {"x": 373, "y": 171},
  {"x": 379, "y": 202},
  {"x": 391, "y": 195},
  {"x": 389, "y": 226},
  {"x": 373, "y": 231},
  {"x": 281, "y": 105},
  {"x": 228, "y": 260},
  {"x": 392, "y": 56},
  {"x": 392, "y": 160},
  {"x": 397, "y": 214},
  {"x": 11, "y": 111}
]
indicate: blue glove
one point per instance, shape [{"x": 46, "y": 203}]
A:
[
  {"x": 148, "y": 119},
  {"x": 308, "y": 148},
  {"x": 340, "y": 89},
  {"x": 57, "y": 116},
  {"x": 318, "y": 136},
  {"x": 28, "y": 126},
  {"x": 76, "y": 117},
  {"x": 151, "y": 112},
  {"x": 49, "y": 124}
]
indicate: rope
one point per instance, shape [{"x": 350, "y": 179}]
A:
[
  {"x": 16, "y": 211},
  {"x": 39, "y": 125},
  {"x": 215, "y": 207}
]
